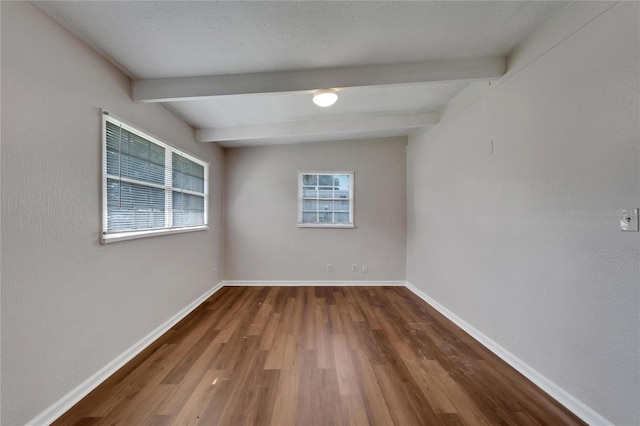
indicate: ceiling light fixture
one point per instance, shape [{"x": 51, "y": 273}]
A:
[{"x": 324, "y": 98}]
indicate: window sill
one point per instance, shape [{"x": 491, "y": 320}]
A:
[
  {"x": 123, "y": 236},
  {"x": 327, "y": 225}
]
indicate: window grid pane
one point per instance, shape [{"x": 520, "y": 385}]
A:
[
  {"x": 130, "y": 156},
  {"x": 325, "y": 198},
  {"x": 187, "y": 174},
  {"x": 133, "y": 206},
  {"x": 188, "y": 209}
]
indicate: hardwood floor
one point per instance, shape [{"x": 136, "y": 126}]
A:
[{"x": 316, "y": 356}]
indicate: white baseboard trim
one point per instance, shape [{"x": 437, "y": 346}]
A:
[
  {"x": 60, "y": 407},
  {"x": 563, "y": 397},
  {"x": 253, "y": 283}
]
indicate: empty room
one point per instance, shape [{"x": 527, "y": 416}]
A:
[{"x": 320, "y": 213}]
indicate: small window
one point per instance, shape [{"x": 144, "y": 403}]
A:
[
  {"x": 149, "y": 187},
  {"x": 325, "y": 199}
]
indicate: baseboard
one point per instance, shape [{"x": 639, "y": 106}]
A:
[
  {"x": 563, "y": 397},
  {"x": 60, "y": 407},
  {"x": 344, "y": 283}
]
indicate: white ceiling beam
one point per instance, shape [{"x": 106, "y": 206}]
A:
[
  {"x": 193, "y": 88},
  {"x": 338, "y": 125}
]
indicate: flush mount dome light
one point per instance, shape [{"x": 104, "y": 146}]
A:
[{"x": 325, "y": 98}]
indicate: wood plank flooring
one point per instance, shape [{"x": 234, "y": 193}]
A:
[{"x": 316, "y": 356}]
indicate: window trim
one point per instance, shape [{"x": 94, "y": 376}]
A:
[
  {"x": 349, "y": 225},
  {"x": 132, "y": 235},
  {"x": 111, "y": 237}
]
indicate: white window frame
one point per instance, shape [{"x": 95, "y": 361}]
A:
[
  {"x": 349, "y": 225},
  {"x": 110, "y": 237}
]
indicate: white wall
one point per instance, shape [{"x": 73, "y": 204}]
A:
[
  {"x": 262, "y": 240},
  {"x": 69, "y": 304},
  {"x": 521, "y": 243}
]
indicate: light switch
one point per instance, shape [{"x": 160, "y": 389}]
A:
[{"x": 629, "y": 220}]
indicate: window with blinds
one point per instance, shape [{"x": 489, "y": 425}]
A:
[
  {"x": 325, "y": 199},
  {"x": 149, "y": 187}
]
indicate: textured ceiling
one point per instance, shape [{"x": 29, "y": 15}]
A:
[{"x": 151, "y": 40}]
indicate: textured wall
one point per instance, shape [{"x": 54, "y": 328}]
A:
[
  {"x": 520, "y": 243},
  {"x": 69, "y": 304},
  {"x": 262, "y": 239}
]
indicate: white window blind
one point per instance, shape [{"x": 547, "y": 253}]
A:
[
  {"x": 149, "y": 185},
  {"x": 325, "y": 199}
]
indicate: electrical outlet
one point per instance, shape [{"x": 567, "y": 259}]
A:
[
  {"x": 329, "y": 267},
  {"x": 629, "y": 220},
  {"x": 365, "y": 268},
  {"x": 354, "y": 268}
]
